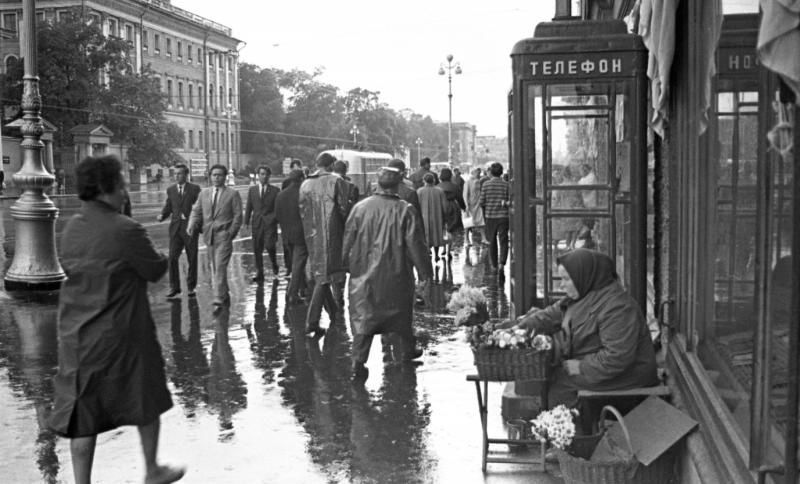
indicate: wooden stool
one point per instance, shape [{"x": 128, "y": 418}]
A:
[{"x": 590, "y": 402}]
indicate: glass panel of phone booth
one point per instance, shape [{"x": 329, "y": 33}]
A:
[
  {"x": 569, "y": 233},
  {"x": 780, "y": 290},
  {"x": 533, "y": 153}
]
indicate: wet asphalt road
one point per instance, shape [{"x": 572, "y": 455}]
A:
[{"x": 254, "y": 400}]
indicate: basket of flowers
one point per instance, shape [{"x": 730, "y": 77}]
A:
[
  {"x": 501, "y": 354},
  {"x": 576, "y": 453}
]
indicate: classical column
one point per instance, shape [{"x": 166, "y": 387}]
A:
[{"x": 35, "y": 265}]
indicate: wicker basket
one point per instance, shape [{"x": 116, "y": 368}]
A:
[
  {"x": 577, "y": 469},
  {"x": 499, "y": 364}
]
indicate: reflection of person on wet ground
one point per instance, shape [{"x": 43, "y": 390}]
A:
[
  {"x": 324, "y": 208},
  {"x": 111, "y": 372},
  {"x": 269, "y": 347},
  {"x": 387, "y": 429},
  {"x": 189, "y": 358},
  {"x": 227, "y": 392},
  {"x": 382, "y": 246}
]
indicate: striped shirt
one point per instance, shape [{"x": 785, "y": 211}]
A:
[{"x": 494, "y": 198}]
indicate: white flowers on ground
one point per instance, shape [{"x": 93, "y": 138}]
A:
[
  {"x": 470, "y": 305},
  {"x": 556, "y": 426}
]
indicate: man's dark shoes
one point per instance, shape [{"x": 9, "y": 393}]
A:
[
  {"x": 192, "y": 293},
  {"x": 172, "y": 294},
  {"x": 276, "y": 270},
  {"x": 414, "y": 354},
  {"x": 259, "y": 277},
  {"x": 360, "y": 372}
]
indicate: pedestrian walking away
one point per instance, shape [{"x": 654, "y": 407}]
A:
[
  {"x": 417, "y": 178},
  {"x": 110, "y": 368},
  {"x": 324, "y": 208},
  {"x": 178, "y": 208},
  {"x": 494, "y": 202},
  {"x": 259, "y": 213},
  {"x": 473, "y": 216},
  {"x": 432, "y": 200},
  {"x": 287, "y": 212},
  {"x": 382, "y": 247},
  {"x": 218, "y": 214}
]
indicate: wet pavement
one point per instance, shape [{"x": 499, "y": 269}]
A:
[{"x": 255, "y": 401}]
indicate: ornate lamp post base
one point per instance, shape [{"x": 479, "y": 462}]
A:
[{"x": 35, "y": 266}]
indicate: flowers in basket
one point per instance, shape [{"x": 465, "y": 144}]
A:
[
  {"x": 488, "y": 335},
  {"x": 470, "y": 305},
  {"x": 556, "y": 426}
]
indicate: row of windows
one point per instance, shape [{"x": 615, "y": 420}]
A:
[
  {"x": 179, "y": 100},
  {"x": 179, "y": 49},
  {"x": 216, "y": 139}
]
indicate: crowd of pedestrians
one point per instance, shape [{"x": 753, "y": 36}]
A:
[{"x": 111, "y": 372}]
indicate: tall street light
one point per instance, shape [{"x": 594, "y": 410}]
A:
[
  {"x": 449, "y": 69},
  {"x": 35, "y": 265},
  {"x": 419, "y": 144},
  {"x": 355, "y": 132}
]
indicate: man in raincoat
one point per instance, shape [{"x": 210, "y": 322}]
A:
[
  {"x": 383, "y": 244},
  {"x": 324, "y": 207}
]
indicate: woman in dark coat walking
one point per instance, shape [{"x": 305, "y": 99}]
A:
[
  {"x": 110, "y": 368},
  {"x": 602, "y": 335},
  {"x": 455, "y": 204}
]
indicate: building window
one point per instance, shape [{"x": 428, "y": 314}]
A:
[
  {"x": 230, "y": 96},
  {"x": 191, "y": 95},
  {"x": 145, "y": 40},
  {"x": 189, "y": 53},
  {"x": 213, "y": 142},
  {"x": 199, "y": 56},
  {"x": 191, "y": 139},
  {"x": 180, "y": 94},
  {"x": 200, "y": 141},
  {"x": 63, "y": 15},
  {"x": 113, "y": 27},
  {"x": 169, "y": 47},
  {"x": 200, "y": 97},
  {"x": 41, "y": 16},
  {"x": 222, "y": 142},
  {"x": 222, "y": 97},
  {"x": 94, "y": 19},
  {"x": 158, "y": 83},
  {"x": 211, "y": 96},
  {"x": 10, "y": 22},
  {"x": 129, "y": 33},
  {"x": 169, "y": 92},
  {"x": 180, "y": 51},
  {"x": 157, "y": 44}
]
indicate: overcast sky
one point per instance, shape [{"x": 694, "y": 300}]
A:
[{"x": 392, "y": 47}]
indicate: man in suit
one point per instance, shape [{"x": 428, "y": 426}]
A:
[
  {"x": 287, "y": 211},
  {"x": 218, "y": 214},
  {"x": 178, "y": 206},
  {"x": 424, "y": 168},
  {"x": 259, "y": 213}
]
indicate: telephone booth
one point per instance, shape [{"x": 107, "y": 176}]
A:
[{"x": 579, "y": 154}]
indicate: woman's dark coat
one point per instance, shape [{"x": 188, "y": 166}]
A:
[{"x": 111, "y": 372}]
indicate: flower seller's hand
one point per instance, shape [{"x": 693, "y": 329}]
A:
[{"x": 573, "y": 367}]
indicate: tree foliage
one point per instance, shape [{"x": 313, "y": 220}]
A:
[{"x": 315, "y": 115}]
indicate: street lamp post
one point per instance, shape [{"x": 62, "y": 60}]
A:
[
  {"x": 355, "y": 132},
  {"x": 419, "y": 151},
  {"x": 35, "y": 264},
  {"x": 449, "y": 69}
]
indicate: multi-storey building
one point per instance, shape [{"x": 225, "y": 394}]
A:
[{"x": 195, "y": 60}]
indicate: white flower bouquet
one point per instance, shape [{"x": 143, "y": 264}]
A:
[
  {"x": 470, "y": 306},
  {"x": 556, "y": 426}
]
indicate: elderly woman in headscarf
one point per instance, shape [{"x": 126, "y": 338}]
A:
[{"x": 599, "y": 330}]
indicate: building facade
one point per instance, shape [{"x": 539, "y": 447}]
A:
[{"x": 195, "y": 60}]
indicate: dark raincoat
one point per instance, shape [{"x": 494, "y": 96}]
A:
[
  {"x": 111, "y": 372},
  {"x": 382, "y": 246},
  {"x": 604, "y": 329},
  {"x": 324, "y": 207}
]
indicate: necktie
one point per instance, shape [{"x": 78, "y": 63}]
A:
[
  {"x": 214, "y": 202},
  {"x": 263, "y": 190},
  {"x": 180, "y": 191}
]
